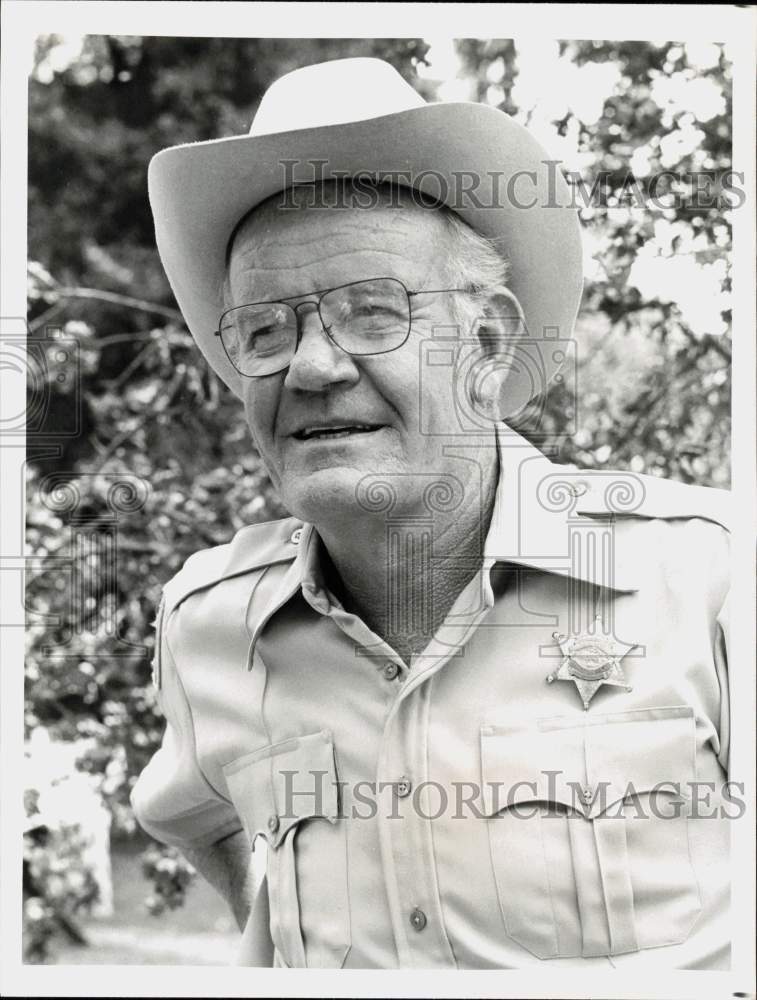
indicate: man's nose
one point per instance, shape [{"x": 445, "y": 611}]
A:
[{"x": 317, "y": 362}]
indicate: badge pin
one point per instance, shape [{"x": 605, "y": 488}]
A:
[{"x": 590, "y": 660}]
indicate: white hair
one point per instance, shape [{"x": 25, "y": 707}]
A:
[{"x": 474, "y": 263}]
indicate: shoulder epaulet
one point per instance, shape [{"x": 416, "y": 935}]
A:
[
  {"x": 253, "y": 547},
  {"x": 256, "y": 546},
  {"x": 628, "y": 494}
]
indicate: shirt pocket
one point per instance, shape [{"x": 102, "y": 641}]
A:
[
  {"x": 589, "y": 831},
  {"x": 288, "y": 793}
]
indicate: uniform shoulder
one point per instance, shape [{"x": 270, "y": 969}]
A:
[
  {"x": 629, "y": 494},
  {"x": 255, "y": 546},
  {"x": 661, "y": 526}
]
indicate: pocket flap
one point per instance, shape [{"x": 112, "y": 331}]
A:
[
  {"x": 522, "y": 764},
  {"x": 588, "y": 764},
  {"x": 278, "y": 786},
  {"x": 637, "y": 752}
]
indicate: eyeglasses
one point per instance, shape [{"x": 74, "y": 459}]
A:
[{"x": 362, "y": 318}]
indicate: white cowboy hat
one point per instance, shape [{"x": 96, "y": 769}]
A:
[{"x": 357, "y": 117}]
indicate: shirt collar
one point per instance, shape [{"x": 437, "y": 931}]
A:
[
  {"x": 544, "y": 518},
  {"x": 294, "y": 579},
  {"x": 548, "y": 517}
]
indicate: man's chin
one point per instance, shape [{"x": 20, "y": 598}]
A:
[{"x": 324, "y": 495}]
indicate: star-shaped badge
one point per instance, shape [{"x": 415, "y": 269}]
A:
[{"x": 590, "y": 660}]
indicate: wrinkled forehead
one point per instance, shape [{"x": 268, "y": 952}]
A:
[{"x": 340, "y": 212}]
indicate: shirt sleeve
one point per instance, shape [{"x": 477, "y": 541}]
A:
[{"x": 172, "y": 799}]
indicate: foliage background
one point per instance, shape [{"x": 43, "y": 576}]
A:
[{"x": 653, "y": 371}]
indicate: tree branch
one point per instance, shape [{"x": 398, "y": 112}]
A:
[
  {"x": 112, "y": 297},
  {"x": 125, "y": 435}
]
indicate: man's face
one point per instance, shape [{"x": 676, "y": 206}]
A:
[{"x": 293, "y": 253}]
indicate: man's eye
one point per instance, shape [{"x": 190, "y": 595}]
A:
[
  {"x": 266, "y": 334},
  {"x": 261, "y": 332},
  {"x": 369, "y": 310},
  {"x": 264, "y": 339}
]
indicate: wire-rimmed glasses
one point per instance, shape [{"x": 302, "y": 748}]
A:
[{"x": 362, "y": 318}]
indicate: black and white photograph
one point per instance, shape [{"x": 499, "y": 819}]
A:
[{"x": 378, "y": 491}]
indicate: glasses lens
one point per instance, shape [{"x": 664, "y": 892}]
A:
[
  {"x": 259, "y": 339},
  {"x": 367, "y": 317}
]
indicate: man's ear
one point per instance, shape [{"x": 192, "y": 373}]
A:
[{"x": 500, "y": 329}]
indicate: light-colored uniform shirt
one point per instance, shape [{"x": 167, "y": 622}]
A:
[{"x": 465, "y": 811}]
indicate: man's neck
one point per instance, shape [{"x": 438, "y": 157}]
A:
[{"x": 402, "y": 576}]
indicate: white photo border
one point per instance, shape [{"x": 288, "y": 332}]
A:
[{"x": 22, "y": 21}]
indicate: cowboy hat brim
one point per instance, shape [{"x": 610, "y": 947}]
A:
[{"x": 476, "y": 159}]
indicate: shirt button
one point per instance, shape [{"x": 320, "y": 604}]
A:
[
  {"x": 296, "y": 536},
  {"x": 403, "y": 788},
  {"x": 273, "y": 823},
  {"x": 391, "y": 670},
  {"x": 418, "y": 919}
]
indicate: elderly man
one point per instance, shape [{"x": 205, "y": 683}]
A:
[{"x": 464, "y": 699}]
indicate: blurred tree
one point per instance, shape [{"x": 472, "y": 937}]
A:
[
  {"x": 146, "y": 409},
  {"x": 653, "y": 391}
]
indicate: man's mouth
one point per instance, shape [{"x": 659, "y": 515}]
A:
[{"x": 328, "y": 433}]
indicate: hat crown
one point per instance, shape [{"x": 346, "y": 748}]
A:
[{"x": 333, "y": 93}]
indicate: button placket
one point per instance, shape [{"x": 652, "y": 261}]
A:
[{"x": 407, "y": 846}]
